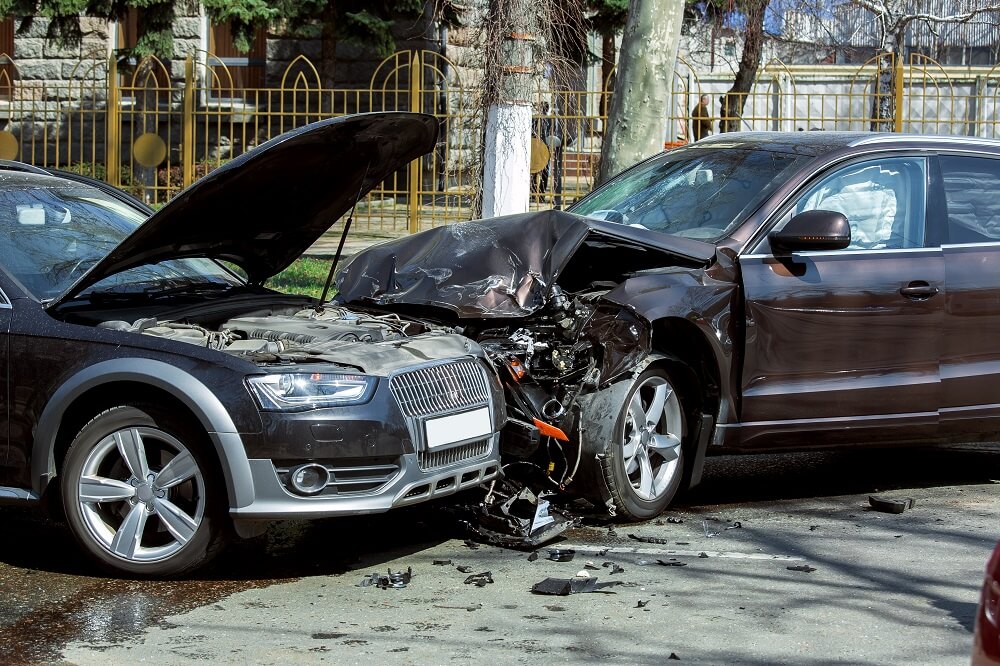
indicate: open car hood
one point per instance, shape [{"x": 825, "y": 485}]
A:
[
  {"x": 263, "y": 209},
  {"x": 493, "y": 268}
]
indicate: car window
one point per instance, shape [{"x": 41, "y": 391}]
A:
[
  {"x": 700, "y": 193},
  {"x": 972, "y": 197},
  {"x": 883, "y": 200},
  {"x": 52, "y": 232}
]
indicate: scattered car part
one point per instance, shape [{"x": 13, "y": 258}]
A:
[
  {"x": 513, "y": 516},
  {"x": 561, "y": 554},
  {"x": 710, "y": 532},
  {"x": 802, "y": 567},
  {"x": 533, "y": 556},
  {"x": 394, "y": 579},
  {"x": 442, "y": 563},
  {"x": 590, "y": 565},
  {"x": 890, "y": 505},
  {"x": 615, "y": 567},
  {"x": 672, "y": 562},
  {"x": 565, "y": 586},
  {"x": 463, "y": 569},
  {"x": 480, "y": 579},
  {"x": 646, "y": 539},
  {"x": 641, "y": 603}
]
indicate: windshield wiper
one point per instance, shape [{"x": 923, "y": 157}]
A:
[{"x": 192, "y": 289}]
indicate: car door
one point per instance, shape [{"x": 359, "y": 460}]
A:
[
  {"x": 969, "y": 196},
  {"x": 843, "y": 346}
]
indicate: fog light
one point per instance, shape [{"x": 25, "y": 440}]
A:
[{"x": 309, "y": 479}]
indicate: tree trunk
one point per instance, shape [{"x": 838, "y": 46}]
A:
[
  {"x": 883, "y": 116},
  {"x": 608, "y": 56},
  {"x": 734, "y": 101},
  {"x": 328, "y": 47},
  {"x": 643, "y": 85}
]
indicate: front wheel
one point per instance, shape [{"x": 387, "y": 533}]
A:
[
  {"x": 138, "y": 493},
  {"x": 643, "y": 461}
]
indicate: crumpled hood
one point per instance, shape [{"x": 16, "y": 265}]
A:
[
  {"x": 261, "y": 210},
  {"x": 493, "y": 268}
]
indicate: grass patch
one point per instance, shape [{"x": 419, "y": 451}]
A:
[{"x": 305, "y": 276}]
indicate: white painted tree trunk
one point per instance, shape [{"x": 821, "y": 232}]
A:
[
  {"x": 643, "y": 84},
  {"x": 506, "y": 171}
]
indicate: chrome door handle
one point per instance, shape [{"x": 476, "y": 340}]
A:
[{"x": 919, "y": 290}]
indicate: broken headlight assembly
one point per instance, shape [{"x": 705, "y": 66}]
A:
[{"x": 295, "y": 392}]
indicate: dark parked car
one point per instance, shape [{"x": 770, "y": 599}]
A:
[
  {"x": 986, "y": 640},
  {"x": 158, "y": 390},
  {"x": 748, "y": 292}
]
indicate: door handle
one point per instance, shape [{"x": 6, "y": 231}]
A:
[{"x": 918, "y": 290}]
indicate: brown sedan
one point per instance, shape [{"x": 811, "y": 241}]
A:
[{"x": 748, "y": 292}]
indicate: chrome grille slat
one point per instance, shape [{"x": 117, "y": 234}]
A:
[{"x": 440, "y": 388}]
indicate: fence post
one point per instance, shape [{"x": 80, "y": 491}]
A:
[
  {"x": 416, "y": 105},
  {"x": 112, "y": 131},
  {"x": 899, "y": 93},
  {"x": 187, "y": 122}
]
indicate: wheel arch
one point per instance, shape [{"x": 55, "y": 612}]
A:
[
  {"x": 99, "y": 386},
  {"x": 682, "y": 346}
]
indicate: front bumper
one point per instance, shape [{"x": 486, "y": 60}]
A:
[
  {"x": 386, "y": 454},
  {"x": 410, "y": 485}
]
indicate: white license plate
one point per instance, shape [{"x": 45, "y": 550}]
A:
[{"x": 457, "y": 428}]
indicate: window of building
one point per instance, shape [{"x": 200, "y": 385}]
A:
[
  {"x": 7, "y": 74},
  {"x": 127, "y": 36},
  {"x": 234, "y": 72}
]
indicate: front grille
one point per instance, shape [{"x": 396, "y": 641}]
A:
[
  {"x": 429, "y": 460},
  {"x": 441, "y": 388}
]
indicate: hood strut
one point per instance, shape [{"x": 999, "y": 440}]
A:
[{"x": 340, "y": 246}]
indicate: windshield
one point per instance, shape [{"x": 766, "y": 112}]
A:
[
  {"x": 699, "y": 192},
  {"x": 52, "y": 232}
]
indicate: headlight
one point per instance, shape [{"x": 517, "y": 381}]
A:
[{"x": 295, "y": 392}]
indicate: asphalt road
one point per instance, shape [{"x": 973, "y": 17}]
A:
[{"x": 884, "y": 588}]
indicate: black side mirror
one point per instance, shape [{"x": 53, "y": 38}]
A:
[{"x": 812, "y": 230}]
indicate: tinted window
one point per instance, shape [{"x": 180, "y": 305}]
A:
[
  {"x": 972, "y": 195},
  {"x": 701, "y": 193},
  {"x": 884, "y": 201}
]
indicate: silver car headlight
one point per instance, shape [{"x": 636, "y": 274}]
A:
[{"x": 299, "y": 391}]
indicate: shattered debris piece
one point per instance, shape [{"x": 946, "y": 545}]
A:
[
  {"x": 673, "y": 656},
  {"x": 702, "y": 554},
  {"x": 395, "y": 580},
  {"x": 802, "y": 567},
  {"x": 512, "y": 516},
  {"x": 533, "y": 556},
  {"x": 602, "y": 552},
  {"x": 582, "y": 574},
  {"x": 591, "y": 565},
  {"x": 715, "y": 530},
  {"x": 889, "y": 505},
  {"x": 442, "y": 563},
  {"x": 674, "y": 521},
  {"x": 641, "y": 603},
  {"x": 646, "y": 539},
  {"x": 561, "y": 554},
  {"x": 671, "y": 563},
  {"x": 614, "y": 566},
  {"x": 813, "y": 528},
  {"x": 682, "y": 543},
  {"x": 564, "y": 586},
  {"x": 480, "y": 579},
  {"x": 471, "y": 545},
  {"x": 463, "y": 569}
]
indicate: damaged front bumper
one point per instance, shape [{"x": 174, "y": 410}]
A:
[{"x": 409, "y": 485}]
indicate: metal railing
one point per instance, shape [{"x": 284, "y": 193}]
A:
[{"x": 152, "y": 131}]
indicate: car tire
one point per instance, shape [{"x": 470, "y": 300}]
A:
[
  {"x": 642, "y": 464},
  {"x": 140, "y": 493}
]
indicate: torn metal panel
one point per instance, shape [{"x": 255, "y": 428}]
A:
[{"x": 515, "y": 517}]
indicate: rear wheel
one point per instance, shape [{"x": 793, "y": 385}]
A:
[
  {"x": 643, "y": 462},
  {"x": 139, "y": 493}
]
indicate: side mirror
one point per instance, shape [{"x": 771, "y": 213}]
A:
[{"x": 812, "y": 230}]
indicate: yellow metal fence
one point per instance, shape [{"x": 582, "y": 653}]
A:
[{"x": 153, "y": 131}]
